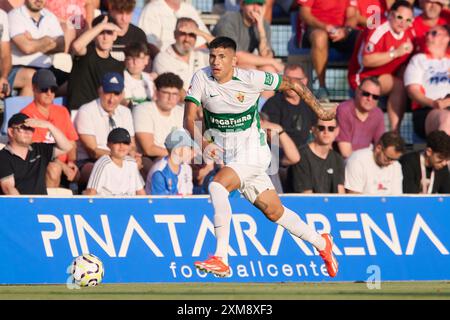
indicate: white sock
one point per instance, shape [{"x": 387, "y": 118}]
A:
[
  {"x": 292, "y": 223},
  {"x": 222, "y": 218}
]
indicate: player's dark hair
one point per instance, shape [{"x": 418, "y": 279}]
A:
[
  {"x": 168, "y": 80},
  {"x": 134, "y": 49},
  {"x": 439, "y": 142},
  {"x": 401, "y": 3},
  {"x": 223, "y": 42},
  {"x": 392, "y": 139},
  {"x": 122, "y": 5}
]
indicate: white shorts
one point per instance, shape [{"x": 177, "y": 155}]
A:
[{"x": 254, "y": 180}]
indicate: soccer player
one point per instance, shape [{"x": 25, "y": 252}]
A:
[{"x": 229, "y": 97}]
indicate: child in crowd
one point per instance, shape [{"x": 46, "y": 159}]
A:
[
  {"x": 172, "y": 175},
  {"x": 139, "y": 86},
  {"x": 116, "y": 174}
]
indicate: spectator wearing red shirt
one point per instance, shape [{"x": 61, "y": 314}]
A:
[
  {"x": 370, "y": 13},
  {"x": 328, "y": 24},
  {"x": 42, "y": 107},
  {"x": 430, "y": 17},
  {"x": 383, "y": 52}
]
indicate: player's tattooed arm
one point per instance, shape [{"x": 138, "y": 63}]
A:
[{"x": 307, "y": 96}]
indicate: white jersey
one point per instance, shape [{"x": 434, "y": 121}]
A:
[
  {"x": 230, "y": 112},
  {"x": 431, "y": 74}
]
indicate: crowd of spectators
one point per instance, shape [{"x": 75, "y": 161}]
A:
[{"x": 120, "y": 128}]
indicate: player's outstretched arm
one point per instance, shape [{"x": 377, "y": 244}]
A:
[{"x": 307, "y": 96}]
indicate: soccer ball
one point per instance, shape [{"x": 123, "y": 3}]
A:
[{"x": 87, "y": 270}]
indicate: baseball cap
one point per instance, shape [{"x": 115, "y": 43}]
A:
[
  {"x": 17, "y": 119},
  {"x": 119, "y": 135},
  {"x": 179, "y": 138},
  {"x": 43, "y": 79},
  {"x": 112, "y": 82},
  {"x": 254, "y": 1}
]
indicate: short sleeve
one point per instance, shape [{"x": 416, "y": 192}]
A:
[
  {"x": 97, "y": 177},
  {"x": 4, "y": 26},
  {"x": 354, "y": 175},
  {"x": 265, "y": 80},
  {"x": 158, "y": 184},
  {"x": 413, "y": 73},
  {"x": 84, "y": 123},
  {"x": 6, "y": 168},
  {"x": 138, "y": 182},
  {"x": 301, "y": 173},
  {"x": 345, "y": 132},
  {"x": 397, "y": 187},
  {"x": 196, "y": 88},
  {"x": 142, "y": 118},
  {"x": 16, "y": 26}
]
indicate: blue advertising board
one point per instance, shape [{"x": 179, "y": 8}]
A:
[{"x": 146, "y": 239}]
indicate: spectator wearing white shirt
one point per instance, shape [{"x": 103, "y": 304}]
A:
[
  {"x": 376, "y": 171},
  {"x": 139, "y": 85},
  {"x": 182, "y": 58},
  {"x": 427, "y": 82},
  {"x": 153, "y": 121},
  {"x": 5, "y": 55},
  {"x": 116, "y": 174},
  {"x": 96, "y": 119},
  {"x": 159, "y": 17},
  {"x": 36, "y": 34}
]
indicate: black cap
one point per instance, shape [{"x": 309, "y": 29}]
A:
[
  {"x": 119, "y": 135},
  {"x": 17, "y": 119},
  {"x": 44, "y": 78}
]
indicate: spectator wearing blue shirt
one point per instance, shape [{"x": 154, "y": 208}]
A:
[{"x": 172, "y": 175}]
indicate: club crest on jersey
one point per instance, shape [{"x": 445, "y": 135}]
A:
[{"x": 240, "y": 96}]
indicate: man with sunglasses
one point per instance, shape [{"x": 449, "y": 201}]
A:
[
  {"x": 321, "y": 169},
  {"x": 430, "y": 17},
  {"x": 92, "y": 59},
  {"x": 427, "y": 82},
  {"x": 376, "y": 171},
  {"x": 36, "y": 35},
  {"x": 62, "y": 169},
  {"x": 361, "y": 122},
  {"x": 182, "y": 58},
  {"x": 24, "y": 163},
  {"x": 382, "y": 52}
]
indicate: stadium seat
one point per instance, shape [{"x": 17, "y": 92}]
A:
[
  {"x": 302, "y": 56},
  {"x": 13, "y": 105}
]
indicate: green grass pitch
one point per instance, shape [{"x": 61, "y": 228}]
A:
[{"x": 233, "y": 291}]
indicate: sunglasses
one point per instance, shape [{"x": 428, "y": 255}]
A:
[
  {"x": 329, "y": 128},
  {"x": 45, "y": 90},
  {"x": 368, "y": 94},
  {"x": 108, "y": 32},
  {"x": 23, "y": 127},
  {"x": 401, "y": 18}
]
